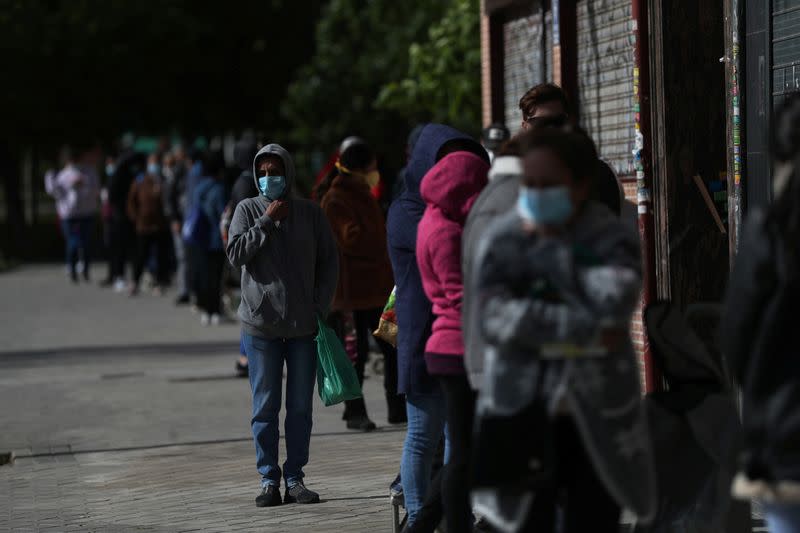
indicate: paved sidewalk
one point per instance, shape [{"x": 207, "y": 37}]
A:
[
  {"x": 125, "y": 416},
  {"x": 204, "y": 487}
]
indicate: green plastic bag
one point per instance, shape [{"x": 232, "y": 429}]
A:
[{"x": 336, "y": 378}]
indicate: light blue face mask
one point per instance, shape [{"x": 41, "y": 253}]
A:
[
  {"x": 551, "y": 206},
  {"x": 154, "y": 169},
  {"x": 110, "y": 169},
  {"x": 272, "y": 187}
]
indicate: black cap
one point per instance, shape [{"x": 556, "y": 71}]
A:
[{"x": 494, "y": 136}]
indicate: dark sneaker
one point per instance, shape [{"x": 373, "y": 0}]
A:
[
  {"x": 270, "y": 496},
  {"x": 242, "y": 371},
  {"x": 361, "y": 423},
  {"x": 300, "y": 494}
]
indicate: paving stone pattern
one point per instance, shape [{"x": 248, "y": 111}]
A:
[{"x": 199, "y": 488}]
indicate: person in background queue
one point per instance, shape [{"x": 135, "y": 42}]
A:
[
  {"x": 209, "y": 197},
  {"x": 76, "y": 191},
  {"x": 244, "y": 187},
  {"x": 493, "y": 138},
  {"x": 146, "y": 211},
  {"x": 365, "y": 275}
]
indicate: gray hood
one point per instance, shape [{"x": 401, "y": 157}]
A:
[{"x": 288, "y": 162}]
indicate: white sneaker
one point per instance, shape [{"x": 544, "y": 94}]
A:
[
  {"x": 215, "y": 320},
  {"x": 205, "y": 319},
  {"x": 120, "y": 285}
]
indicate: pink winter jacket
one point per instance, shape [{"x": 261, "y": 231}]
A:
[{"x": 449, "y": 190}]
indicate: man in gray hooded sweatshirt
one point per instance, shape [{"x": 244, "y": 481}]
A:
[{"x": 289, "y": 263}]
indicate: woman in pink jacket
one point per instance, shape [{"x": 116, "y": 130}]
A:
[{"x": 449, "y": 190}]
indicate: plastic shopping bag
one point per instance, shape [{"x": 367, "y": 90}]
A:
[
  {"x": 336, "y": 378},
  {"x": 387, "y": 327}
]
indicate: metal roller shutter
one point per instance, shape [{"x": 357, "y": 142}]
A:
[
  {"x": 605, "y": 79},
  {"x": 785, "y": 48},
  {"x": 523, "y": 60}
]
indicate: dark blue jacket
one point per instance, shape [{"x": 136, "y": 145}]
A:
[
  {"x": 209, "y": 194},
  {"x": 413, "y": 309}
]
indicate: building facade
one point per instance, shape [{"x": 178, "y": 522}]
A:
[{"x": 686, "y": 126}]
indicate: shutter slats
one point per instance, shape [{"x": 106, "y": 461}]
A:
[{"x": 605, "y": 79}]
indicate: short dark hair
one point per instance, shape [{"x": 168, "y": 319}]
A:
[
  {"x": 572, "y": 145},
  {"x": 540, "y": 94},
  {"x": 357, "y": 156}
]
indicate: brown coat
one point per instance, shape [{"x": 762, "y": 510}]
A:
[
  {"x": 146, "y": 207},
  {"x": 365, "y": 273}
]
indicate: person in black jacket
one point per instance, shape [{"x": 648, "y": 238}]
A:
[
  {"x": 121, "y": 235},
  {"x": 174, "y": 168},
  {"x": 761, "y": 310},
  {"x": 243, "y": 153}
]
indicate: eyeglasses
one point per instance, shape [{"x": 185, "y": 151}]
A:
[{"x": 547, "y": 121}]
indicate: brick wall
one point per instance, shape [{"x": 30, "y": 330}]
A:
[{"x": 637, "y": 325}]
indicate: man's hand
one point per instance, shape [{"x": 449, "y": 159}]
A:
[{"x": 278, "y": 210}]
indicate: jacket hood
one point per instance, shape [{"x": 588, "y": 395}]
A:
[
  {"x": 423, "y": 156},
  {"x": 288, "y": 163},
  {"x": 505, "y": 165},
  {"x": 454, "y": 184}
]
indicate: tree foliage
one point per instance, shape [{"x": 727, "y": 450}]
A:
[
  {"x": 443, "y": 80},
  {"x": 95, "y": 68},
  {"x": 361, "y": 44}
]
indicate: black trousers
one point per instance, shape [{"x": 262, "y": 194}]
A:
[
  {"x": 120, "y": 243},
  {"x": 147, "y": 242},
  {"x": 460, "y": 399},
  {"x": 586, "y": 504},
  {"x": 208, "y": 277},
  {"x": 365, "y": 322}
]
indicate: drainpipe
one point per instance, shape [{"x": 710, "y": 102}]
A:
[
  {"x": 642, "y": 155},
  {"x": 733, "y": 68}
]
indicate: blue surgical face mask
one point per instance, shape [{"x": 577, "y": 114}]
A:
[
  {"x": 272, "y": 187},
  {"x": 110, "y": 169},
  {"x": 154, "y": 169},
  {"x": 551, "y": 206}
]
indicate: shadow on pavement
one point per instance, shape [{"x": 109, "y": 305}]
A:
[{"x": 195, "y": 348}]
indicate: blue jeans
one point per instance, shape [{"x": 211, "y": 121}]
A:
[
  {"x": 783, "y": 518},
  {"x": 426, "y": 425},
  {"x": 78, "y": 237},
  {"x": 265, "y": 359}
]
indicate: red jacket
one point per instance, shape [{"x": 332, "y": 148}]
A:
[{"x": 449, "y": 190}]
